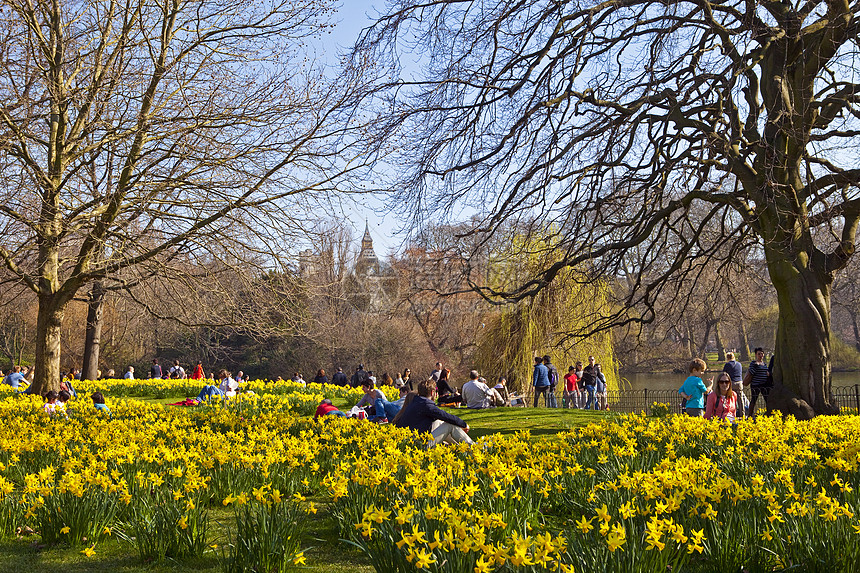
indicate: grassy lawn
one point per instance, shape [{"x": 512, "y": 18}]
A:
[{"x": 326, "y": 554}]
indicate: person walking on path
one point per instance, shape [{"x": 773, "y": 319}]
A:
[{"x": 540, "y": 380}]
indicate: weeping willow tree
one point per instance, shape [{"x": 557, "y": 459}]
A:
[{"x": 562, "y": 320}]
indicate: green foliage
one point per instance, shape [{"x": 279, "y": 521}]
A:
[
  {"x": 843, "y": 356},
  {"x": 660, "y": 409},
  {"x": 559, "y": 320},
  {"x": 160, "y": 527},
  {"x": 268, "y": 535}
]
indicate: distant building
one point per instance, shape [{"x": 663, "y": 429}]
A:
[{"x": 372, "y": 286}]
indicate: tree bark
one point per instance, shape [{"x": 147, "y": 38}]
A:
[
  {"x": 718, "y": 338},
  {"x": 92, "y": 343},
  {"x": 802, "y": 364},
  {"x": 48, "y": 348},
  {"x": 743, "y": 342}
]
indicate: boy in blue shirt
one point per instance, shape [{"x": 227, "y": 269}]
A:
[{"x": 694, "y": 390}]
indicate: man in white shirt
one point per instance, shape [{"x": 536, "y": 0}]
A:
[
  {"x": 177, "y": 371},
  {"x": 477, "y": 394}
]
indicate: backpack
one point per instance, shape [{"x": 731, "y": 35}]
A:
[{"x": 553, "y": 375}]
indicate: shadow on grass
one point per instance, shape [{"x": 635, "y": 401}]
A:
[{"x": 26, "y": 556}]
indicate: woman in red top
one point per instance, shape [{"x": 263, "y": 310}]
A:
[
  {"x": 198, "y": 372},
  {"x": 722, "y": 402}
]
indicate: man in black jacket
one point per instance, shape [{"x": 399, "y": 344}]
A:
[
  {"x": 425, "y": 417},
  {"x": 360, "y": 377},
  {"x": 339, "y": 378}
]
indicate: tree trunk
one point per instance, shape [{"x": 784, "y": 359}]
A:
[
  {"x": 703, "y": 346},
  {"x": 689, "y": 342},
  {"x": 48, "y": 325},
  {"x": 92, "y": 343},
  {"x": 718, "y": 338},
  {"x": 802, "y": 363},
  {"x": 743, "y": 342}
]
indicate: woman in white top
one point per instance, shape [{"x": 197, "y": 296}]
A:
[{"x": 228, "y": 386}]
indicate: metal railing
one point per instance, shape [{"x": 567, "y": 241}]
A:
[{"x": 640, "y": 401}]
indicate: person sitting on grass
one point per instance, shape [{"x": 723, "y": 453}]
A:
[
  {"x": 501, "y": 389},
  {"x": 208, "y": 392},
  {"x": 99, "y": 403},
  {"x": 326, "y": 408},
  {"x": 447, "y": 394},
  {"x": 385, "y": 410},
  {"x": 63, "y": 396},
  {"x": 228, "y": 385},
  {"x": 693, "y": 390},
  {"x": 722, "y": 403},
  {"x": 50, "y": 406},
  {"x": 371, "y": 395},
  {"x": 424, "y": 416}
]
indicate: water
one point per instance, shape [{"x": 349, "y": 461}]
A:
[{"x": 671, "y": 381}]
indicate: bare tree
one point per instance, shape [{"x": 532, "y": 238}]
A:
[
  {"x": 133, "y": 134},
  {"x": 641, "y": 123}
]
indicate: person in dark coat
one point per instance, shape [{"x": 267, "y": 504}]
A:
[
  {"x": 424, "y": 416},
  {"x": 339, "y": 378}
]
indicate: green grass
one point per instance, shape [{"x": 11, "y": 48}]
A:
[{"x": 325, "y": 553}]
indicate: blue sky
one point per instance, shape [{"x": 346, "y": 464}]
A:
[{"x": 351, "y": 18}]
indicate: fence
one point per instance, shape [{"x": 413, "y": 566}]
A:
[{"x": 640, "y": 401}]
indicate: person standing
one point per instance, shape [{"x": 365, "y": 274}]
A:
[
  {"x": 581, "y": 393},
  {"x": 722, "y": 403},
  {"x": 553, "y": 380},
  {"x": 540, "y": 380},
  {"x": 571, "y": 382},
  {"x": 339, "y": 378},
  {"x": 177, "y": 371},
  {"x": 321, "y": 378},
  {"x": 735, "y": 371},
  {"x": 198, "y": 373},
  {"x": 694, "y": 390},
  {"x": 600, "y": 397},
  {"x": 360, "y": 377},
  {"x": 154, "y": 370},
  {"x": 759, "y": 379},
  {"x": 129, "y": 374},
  {"x": 589, "y": 380}
]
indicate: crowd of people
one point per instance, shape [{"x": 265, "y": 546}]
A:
[
  {"x": 584, "y": 386},
  {"x": 727, "y": 401}
]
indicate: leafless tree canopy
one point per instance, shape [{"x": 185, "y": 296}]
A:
[
  {"x": 640, "y": 125},
  {"x": 135, "y": 133}
]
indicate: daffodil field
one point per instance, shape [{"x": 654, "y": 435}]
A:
[{"x": 630, "y": 493}]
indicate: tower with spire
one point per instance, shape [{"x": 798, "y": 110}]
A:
[{"x": 368, "y": 263}]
